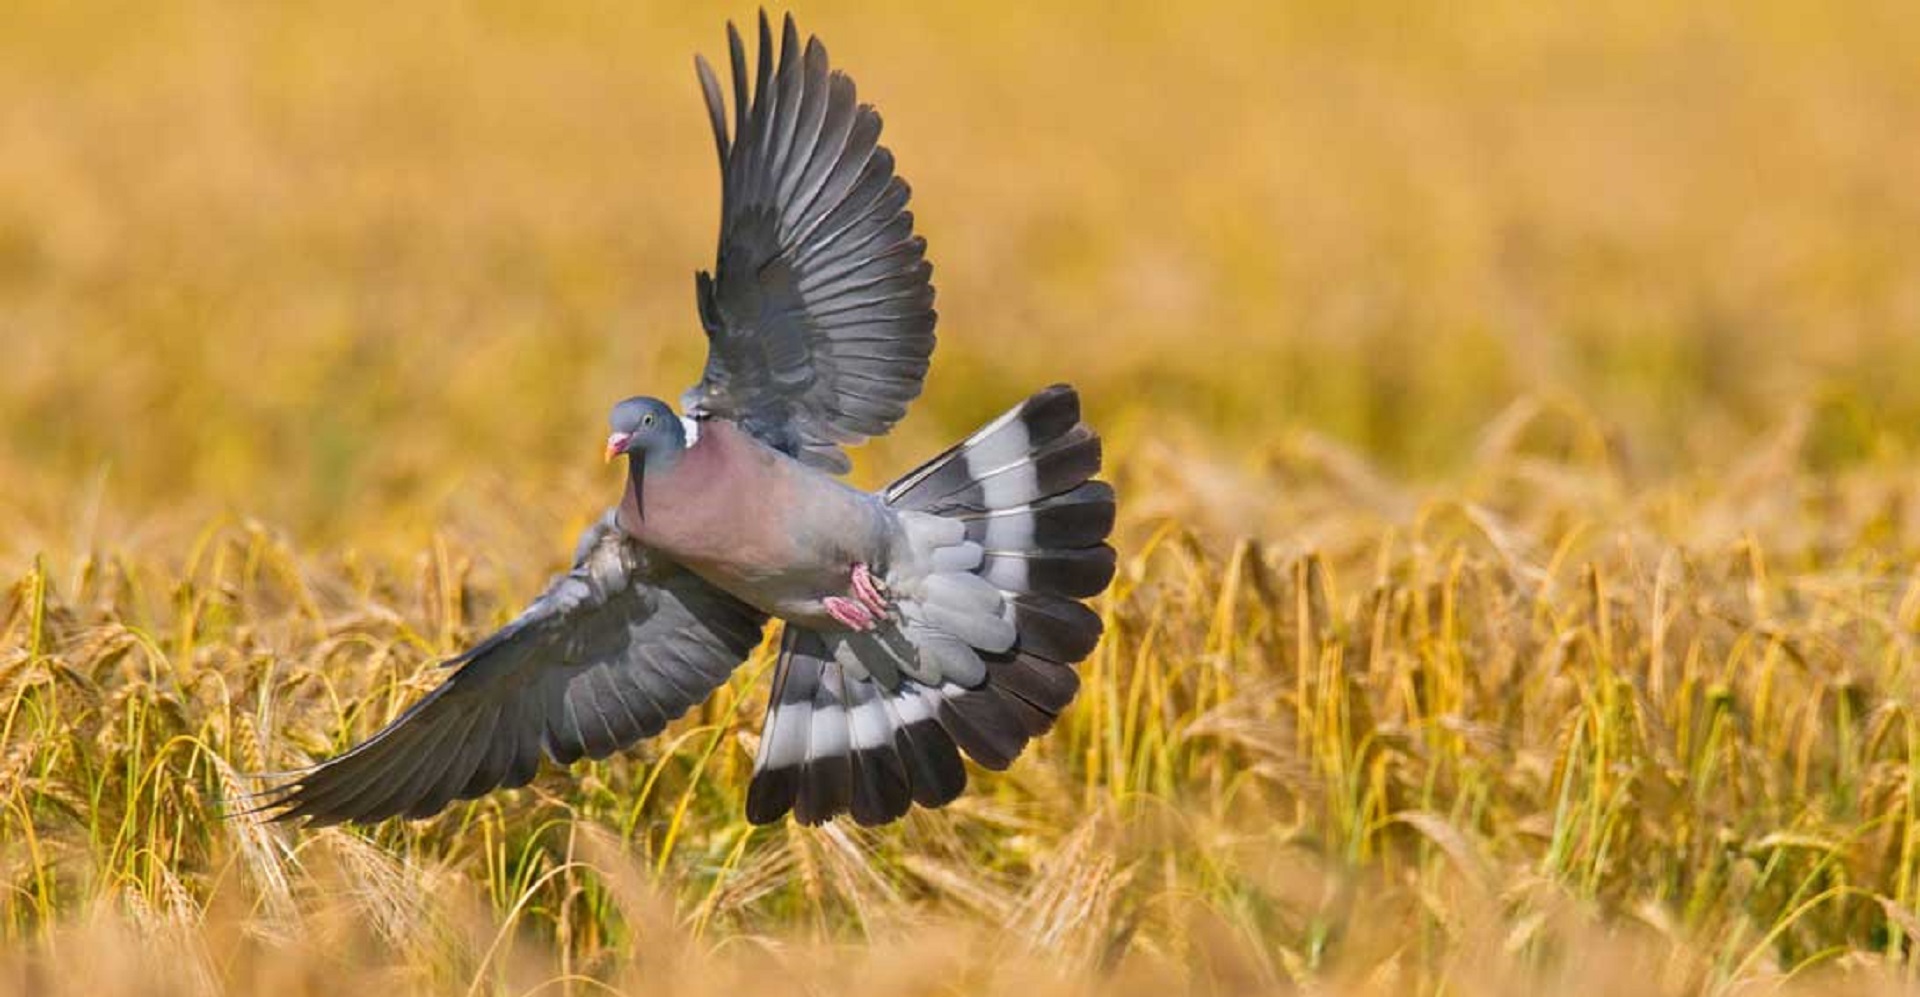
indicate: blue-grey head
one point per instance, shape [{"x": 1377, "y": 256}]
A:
[{"x": 647, "y": 429}]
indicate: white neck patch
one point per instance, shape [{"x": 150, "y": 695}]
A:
[{"x": 692, "y": 426}]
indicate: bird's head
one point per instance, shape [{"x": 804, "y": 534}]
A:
[{"x": 647, "y": 429}]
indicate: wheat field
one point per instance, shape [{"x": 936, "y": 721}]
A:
[{"x": 1515, "y": 412}]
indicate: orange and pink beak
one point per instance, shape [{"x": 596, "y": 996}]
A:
[{"x": 617, "y": 445}]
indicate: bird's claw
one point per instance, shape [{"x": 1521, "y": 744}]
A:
[
  {"x": 867, "y": 607},
  {"x": 848, "y": 613},
  {"x": 869, "y": 590}
]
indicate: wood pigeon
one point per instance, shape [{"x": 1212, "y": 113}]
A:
[{"x": 937, "y": 616}]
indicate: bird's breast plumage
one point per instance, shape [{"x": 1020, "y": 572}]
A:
[{"x": 756, "y": 523}]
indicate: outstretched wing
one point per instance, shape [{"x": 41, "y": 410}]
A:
[
  {"x": 611, "y": 652},
  {"x": 819, "y": 313}
]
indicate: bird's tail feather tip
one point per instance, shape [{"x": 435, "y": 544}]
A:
[{"x": 1038, "y": 449}]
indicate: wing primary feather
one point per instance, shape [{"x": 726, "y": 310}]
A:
[
  {"x": 863, "y": 185},
  {"x": 461, "y": 763},
  {"x": 898, "y": 289},
  {"x": 716, "y": 110},
  {"x": 737, "y": 55},
  {"x": 817, "y": 192},
  {"x": 498, "y": 760},
  {"x": 341, "y": 778},
  {"x": 429, "y": 764},
  {"x": 790, "y": 86},
  {"x": 357, "y": 794},
  {"x": 764, "y": 96},
  {"x": 475, "y": 752},
  {"x": 904, "y": 258},
  {"x": 851, "y": 224},
  {"x": 808, "y": 122}
]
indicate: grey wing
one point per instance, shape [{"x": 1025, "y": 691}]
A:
[
  {"x": 819, "y": 312},
  {"x": 612, "y": 651}
]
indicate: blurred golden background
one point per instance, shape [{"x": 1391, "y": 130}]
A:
[
  {"x": 349, "y": 267},
  {"x": 1515, "y": 409}
]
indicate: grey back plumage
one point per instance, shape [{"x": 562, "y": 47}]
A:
[{"x": 819, "y": 312}]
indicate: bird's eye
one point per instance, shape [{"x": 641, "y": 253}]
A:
[{"x": 646, "y": 420}]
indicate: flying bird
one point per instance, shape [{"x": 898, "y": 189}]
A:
[{"x": 940, "y": 615}]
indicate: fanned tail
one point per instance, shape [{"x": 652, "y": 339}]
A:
[{"x": 1011, "y": 532}]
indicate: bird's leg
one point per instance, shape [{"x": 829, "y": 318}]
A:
[
  {"x": 867, "y": 589},
  {"x": 849, "y": 613},
  {"x": 868, "y": 606}
]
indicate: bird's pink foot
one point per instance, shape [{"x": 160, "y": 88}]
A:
[
  {"x": 868, "y": 606},
  {"x": 867, "y": 589},
  {"x": 848, "y": 613}
]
